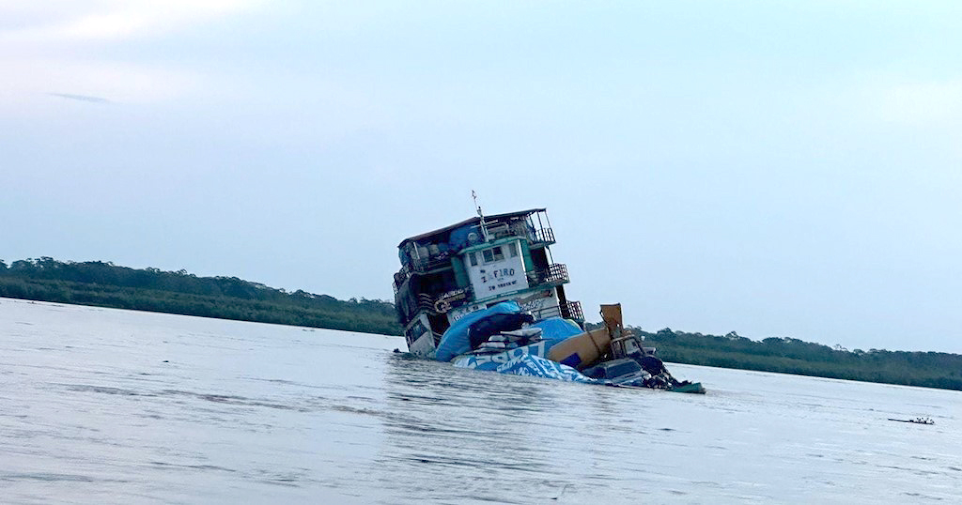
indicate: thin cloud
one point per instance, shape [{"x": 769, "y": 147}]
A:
[
  {"x": 116, "y": 19},
  {"x": 920, "y": 103},
  {"x": 81, "y": 98}
]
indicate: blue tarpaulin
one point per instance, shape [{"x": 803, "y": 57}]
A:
[
  {"x": 460, "y": 236},
  {"x": 557, "y": 329},
  {"x": 455, "y": 341},
  {"x": 528, "y": 360}
]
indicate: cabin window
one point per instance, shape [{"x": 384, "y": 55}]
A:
[
  {"x": 513, "y": 249},
  {"x": 493, "y": 254},
  {"x": 473, "y": 256}
]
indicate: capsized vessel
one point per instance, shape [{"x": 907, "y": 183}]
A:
[{"x": 486, "y": 293}]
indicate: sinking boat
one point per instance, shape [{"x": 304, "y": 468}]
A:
[{"x": 486, "y": 293}]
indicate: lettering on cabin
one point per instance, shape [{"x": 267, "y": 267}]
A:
[
  {"x": 535, "y": 302},
  {"x": 463, "y": 311},
  {"x": 503, "y": 285},
  {"x": 498, "y": 275},
  {"x": 506, "y": 275}
]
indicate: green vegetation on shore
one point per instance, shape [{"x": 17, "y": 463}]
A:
[
  {"x": 107, "y": 285},
  {"x": 793, "y": 356}
]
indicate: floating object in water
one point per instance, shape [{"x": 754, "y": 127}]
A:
[
  {"x": 690, "y": 387},
  {"x": 917, "y": 420}
]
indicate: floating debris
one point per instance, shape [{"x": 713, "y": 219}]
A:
[{"x": 917, "y": 420}]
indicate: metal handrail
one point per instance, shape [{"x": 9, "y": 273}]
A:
[
  {"x": 400, "y": 277},
  {"x": 521, "y": 229},
  {"x": 556, "y": 273},
  {"x": 425, "y": 302},
  {"x": 427, "y": 264},
  {"x": 545, "y": 235},
  {"x": 572, "y": 310},
  {"x": 568, "y": 310},
  {"x": 546, "y": 312},
  {"x": 420, "y": 265}
]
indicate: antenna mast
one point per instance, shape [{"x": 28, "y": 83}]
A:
[{"x": 484, "y": 227}]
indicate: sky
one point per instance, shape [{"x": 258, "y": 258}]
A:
[{"x": 775, "y": 168}]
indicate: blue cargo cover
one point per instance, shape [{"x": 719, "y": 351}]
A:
[{"x": 455, "y": 341}]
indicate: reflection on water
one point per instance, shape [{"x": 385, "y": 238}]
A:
[
  {"x": 105, "y": 406},
  {"x": 461, "y": 435}
]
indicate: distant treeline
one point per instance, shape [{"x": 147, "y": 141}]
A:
[
  {"x": 793, "y": 356},
  {"x": 150, "y": 289},
  {"x": 107, "y": 285}
]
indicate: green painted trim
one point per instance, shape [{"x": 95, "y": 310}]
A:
[
  {"x": 526, "y": 256},
  {"x": 493, "y": 243},
  {"x": 460, "y": 273},
  {"x": 506, "y": 296}
]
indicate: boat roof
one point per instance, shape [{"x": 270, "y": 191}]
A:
[{"x": 473, "y": 220}]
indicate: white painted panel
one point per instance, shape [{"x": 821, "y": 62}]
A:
[{"x": 499, "y": 277}]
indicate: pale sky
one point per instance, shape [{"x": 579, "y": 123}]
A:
[{"x": 781, "y": 169}]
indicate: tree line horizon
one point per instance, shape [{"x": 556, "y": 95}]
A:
[{"x": 104, "y": 284}]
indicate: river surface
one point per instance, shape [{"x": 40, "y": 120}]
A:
[{"x": 110, "y": 406}]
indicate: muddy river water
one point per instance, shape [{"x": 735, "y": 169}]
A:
[{"x": 110, "y": 406}]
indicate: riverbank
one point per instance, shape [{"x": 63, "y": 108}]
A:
[{"x": 103, "y": 284}]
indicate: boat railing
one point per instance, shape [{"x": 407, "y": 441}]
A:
[
  {"x": 544, "y": 235},
  {"x": 555, "y": 274},
  {"x": 546, "y": 312},
  {"x": 425, "y": 302},
  {"x": 521, "y": 229},
  {"x": 420, "y": 265},
  {"x": 572, "y": 310},
  {"x": 568, "y": 310},
  {"x": 400, "y": 277},
  {"x": 430, "y": 263}
]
